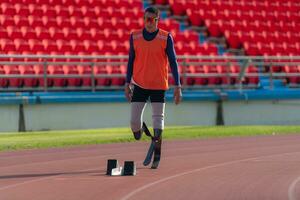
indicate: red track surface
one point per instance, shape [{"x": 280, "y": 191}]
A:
[{"x": 265, "y": 167}]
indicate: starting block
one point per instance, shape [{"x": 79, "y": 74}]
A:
[
  {"x": 129, "y": 168},
  {"x": 111, "y": 164},
  {"x": 117, "y": 171},
  {"x": 113, "y": 168}
]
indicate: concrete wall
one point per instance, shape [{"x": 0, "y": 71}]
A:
[
  {"x": 75, "y": 116},
  {"x": 98, "y": 115},
  {"x": 9, "y": 118},
  {"x": 262, "y": 112}
]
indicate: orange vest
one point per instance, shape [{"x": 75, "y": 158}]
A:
[{"x": 150, "y": 67}]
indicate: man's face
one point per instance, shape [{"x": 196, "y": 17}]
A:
[{"x": 150, "y": 21}]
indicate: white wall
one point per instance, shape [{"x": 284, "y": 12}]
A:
[
  {"x": 262, "y": 112},
  {"x": 9, "y": 118},
  {"x": 98, "y": 115},
  {"x": 75, "y": 116}
]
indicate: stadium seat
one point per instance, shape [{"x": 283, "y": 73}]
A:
[
  {"x": 72, "y": 70},
  {"x": 290, "y": 70},
  {"x": 56, "y": 82},
  {"x": 3, "y": 81},
  {"x": 13, "y": 70},
  {"x": 28, "y": 70},
  {"x": 102, "y": 81},
  {"x": 121, "y": 70}
]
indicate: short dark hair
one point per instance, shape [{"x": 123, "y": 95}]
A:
[{"x": 153, "y": 10}]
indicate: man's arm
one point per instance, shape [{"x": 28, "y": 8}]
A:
[
  {"x": 130, "y": 61},
  {"x": 174, "y": 68},
  {"x": 172, "y": 59},
  {"x": 128, "y": 91}
]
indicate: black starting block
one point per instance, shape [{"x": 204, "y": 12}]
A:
[
  {"x": 129, "y": 168},
  {"x": 111, "y": 164},
  {"x": 113, "y": 168}
]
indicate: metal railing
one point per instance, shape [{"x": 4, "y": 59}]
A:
[{"x": 264, "y": 69}]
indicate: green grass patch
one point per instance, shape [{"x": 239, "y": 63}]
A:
[{"x": 47, "y": 139}]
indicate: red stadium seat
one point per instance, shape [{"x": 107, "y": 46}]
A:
[
  {"x": 72, "y": 70},
  {"x": 198, "y": 80},
  {"x": 13, "y": 70},
  {"x": 292, "y": 79},
  {"x": 56, "y": 82},
  {"x": 102, "y": 81},
  {"x": 3, "y": 33},
  {"x": 119, "y": 81},
  {"x": 85, "y": 71},
  {"x": 3, "y": 81},
  {"x": 28, "y": 70}
]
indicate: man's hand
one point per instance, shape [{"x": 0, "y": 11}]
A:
[
  {"x": 128, "y": 91},
  {"x": 177, "y": 95}
]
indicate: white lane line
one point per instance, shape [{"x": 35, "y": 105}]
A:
[
  {"x": 292, "y": 189},
  {"x": 138, "y": 190}
]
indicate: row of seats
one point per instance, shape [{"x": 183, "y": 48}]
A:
[
  {"x": 54, "y": 11},
  {"x": 194, "y": 49},
  {"x": 179, "y": 7},
  {"x": 60, "y": 22},
  {"x": 85, "y": 41},
  {"x": 41, "y": 33},
  {"x": 198, "y": 17},
  {"x": 257, "y": 26},
  {"x": 221, "y": 76},
  {"x": 78, "y": 3},
  {"x": 62, "y": 81},
  {"x": 31, "y": 44}
]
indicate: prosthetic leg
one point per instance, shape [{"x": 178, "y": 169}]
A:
[
  {"x": 154, "y": 148},
  {"x": 157, "y": 148}
]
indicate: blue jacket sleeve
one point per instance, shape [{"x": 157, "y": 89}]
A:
[
  {"x": 130, "y": 61},
  {"x": 172, "y": 59}
]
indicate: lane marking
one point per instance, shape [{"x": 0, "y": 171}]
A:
[
  {"x": 292, "y": 189},
  {"x": 138, "y": 190}
]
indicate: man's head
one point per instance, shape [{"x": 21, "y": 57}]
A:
[{"x": 151, "y": 18}]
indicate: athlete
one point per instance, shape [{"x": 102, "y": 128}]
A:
[{"x": 151, "y": 52}]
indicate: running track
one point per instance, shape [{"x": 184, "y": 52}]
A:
[{"x": 253, "y": 168}]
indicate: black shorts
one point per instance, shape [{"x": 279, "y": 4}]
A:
[{"x": 142, "y": 95}]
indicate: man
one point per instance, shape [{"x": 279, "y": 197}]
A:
[{"x": 150, "y": 50}]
